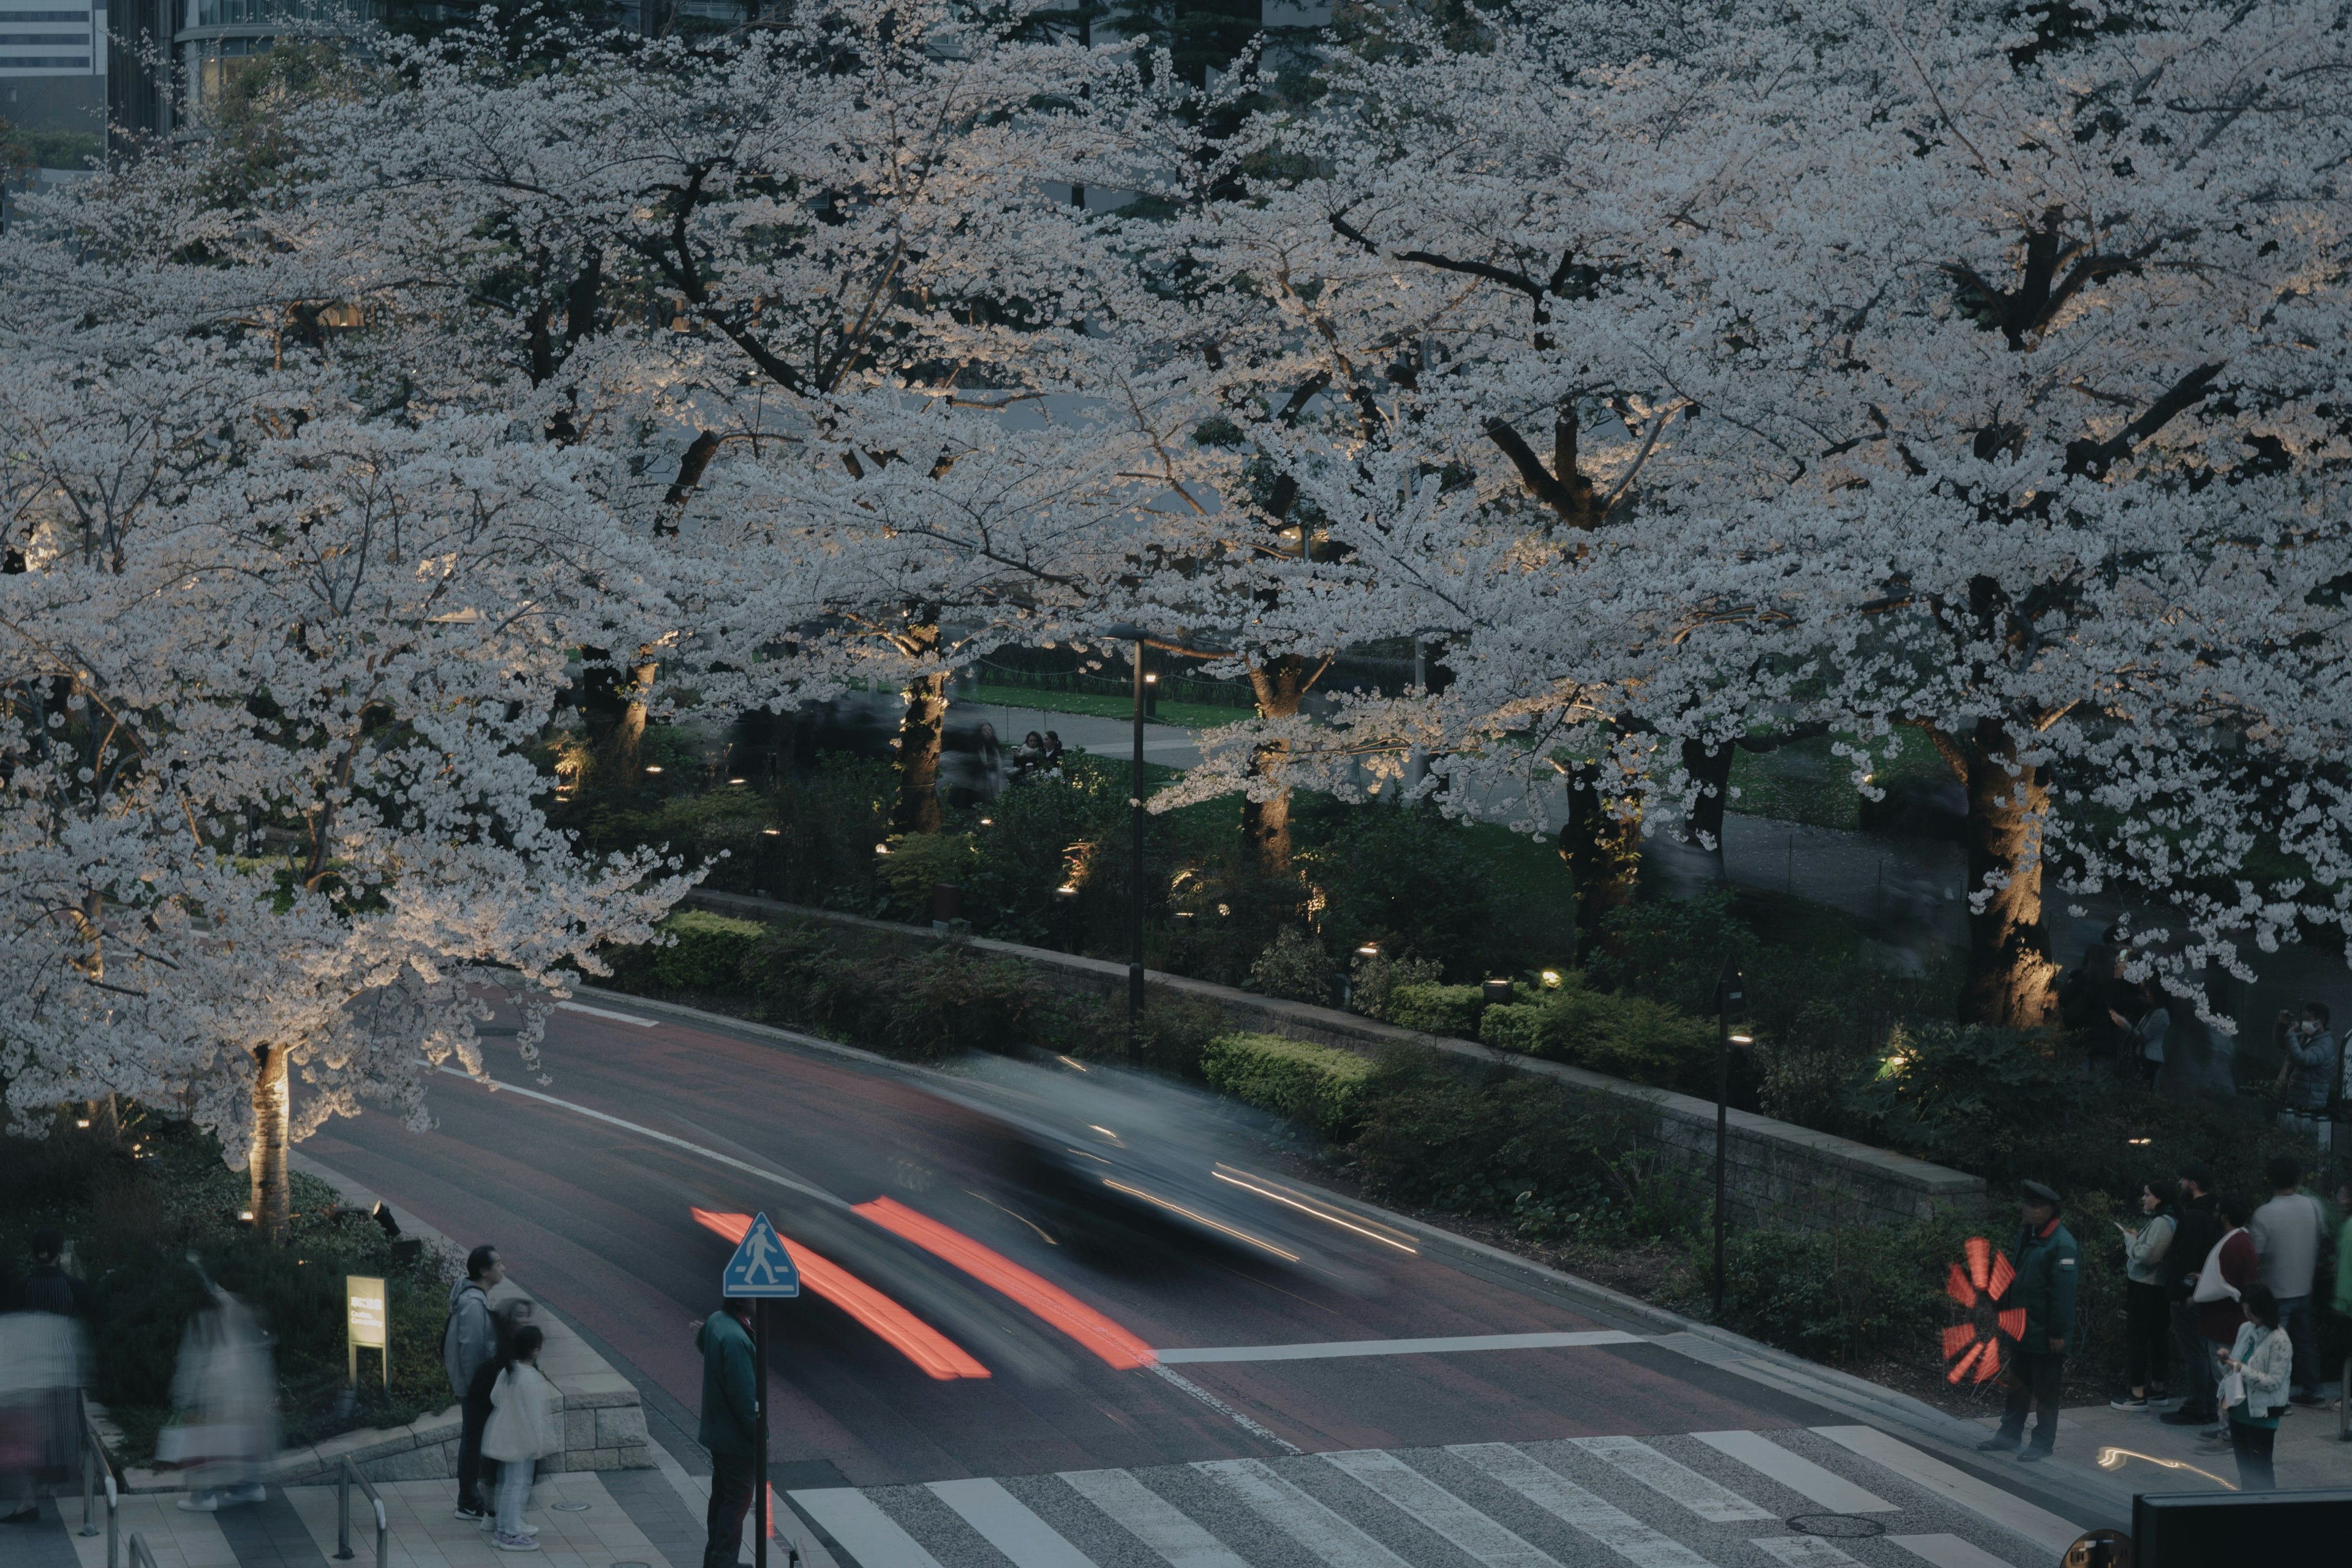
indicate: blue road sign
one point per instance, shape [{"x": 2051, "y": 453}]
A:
[{"x": 760, "y": 1266}]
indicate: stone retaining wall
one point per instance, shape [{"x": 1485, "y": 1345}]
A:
[{"x": 1775, "y": 1173}]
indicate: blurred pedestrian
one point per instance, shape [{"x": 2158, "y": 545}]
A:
[
  {"x": 2287, "y": 1232},
  {"x": 2344, "y": 1281},
  {"x": 2142, "y": 1033},
  {"x": 2048, "y": 1271},
  {"x": 526, "y": 1425},
  {"x": 2308, "y": 1070},
  {"x": 730, "y": 1426},
  {"x": 470, "y": 1341},
  {"x": 989, "y": 761},
  {"x": 2148, "y": 1309},
  {"x": 2230, "y": 1269},
  {"x": 223, "y": 1434},
  {"x": 41, "y": 1370},
  {"x": 2257, "y": 1366},
  {"x": 2199, "y": 1227}
]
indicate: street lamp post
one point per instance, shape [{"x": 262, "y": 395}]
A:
[
  {"x": 1134, "y": 877},
  {"x": 1730, "y": 996}
]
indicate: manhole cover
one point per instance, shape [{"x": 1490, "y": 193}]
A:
[
  {"x": 573, "y": 1508},
  {"x": 1836, "y": 1526}
]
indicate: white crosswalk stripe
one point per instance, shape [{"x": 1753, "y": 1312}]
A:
[
  {"x": 1440, "y": 1509},
  {"x": 1151, "y": 1518},
  {"x": 1006, "y": 1523},
  {"x": 1315, "y": 1527},
  {"x": 1579, "y": 1509},
  {"x": 1672, "y": 1479},
  {"x": 1794, "y": 1471},
  {"x": 1691, "y": 1500}
]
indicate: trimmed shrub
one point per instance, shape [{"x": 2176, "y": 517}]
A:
[
  {"x": 1436, "y": 1009},
  {"x": 947, "y": 1000},
  {"x": 1316, "y": 1085},
  {"x": 1625, "y": 1037},
  {"x": 1294, "y": 966},
  {"x": 1517, "y": 1027},
  {"x": 707, "y": 953}
]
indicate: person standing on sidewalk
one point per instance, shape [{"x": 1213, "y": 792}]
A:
[
  {"x": 2200, "y": 1227},
  {"x": 2219, "y": 1298},
  {"x": 2308, "y": 1070},
  {"x": 2148, "y": 1309},
  {"x": 469, "y": 1342},
  {"x": 2287, "y": 1232},
  {"x": 2048, "y": 1271},
  {"x": 525, "y": 1426},
  {"x": 2257, "y": 1364},
  {"x": 730, "y": 1425}
]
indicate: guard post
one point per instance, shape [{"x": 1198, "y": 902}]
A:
[
  {"x": 762, "y": 1270},
  {"x": 366, "y": 1321}
]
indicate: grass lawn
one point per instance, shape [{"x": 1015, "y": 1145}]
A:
[{"x": 1189, "y": 715}]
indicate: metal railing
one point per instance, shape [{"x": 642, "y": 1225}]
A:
[
  {"x": 96, "y": 1465},
  {"x": 140, "y": 1557},
  {"x": 345, "y": 1478}
]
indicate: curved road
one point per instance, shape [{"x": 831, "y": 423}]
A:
[{"x": 589, "y": 1183}]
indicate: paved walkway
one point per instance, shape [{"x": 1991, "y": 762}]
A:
[
  {"x": 2146, "y": 1454},
  {"x": 588, "y": 1519}
]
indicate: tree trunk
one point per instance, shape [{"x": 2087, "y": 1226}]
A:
[
  {"x": 2009, "y": 972},
  {"x": 1710, "y": 769},
  {"x": 628, "y": 736},
  {"x": 1603, "y": 849},
  {"x": 1265, "y": 824},
  {"x": 920, "y": 732},
  {"x": 271, "y": 1102}
]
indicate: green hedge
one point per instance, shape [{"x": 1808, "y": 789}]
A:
[
  {"x": 707, "y": 952},
  {"x": 1317, "y": 1085},
  {"x": 1436, "y": 1009},
  {"x": 1625, "y": 1037}
]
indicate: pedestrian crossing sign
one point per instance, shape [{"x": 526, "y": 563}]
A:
[{"x": 762, "y": 1266}]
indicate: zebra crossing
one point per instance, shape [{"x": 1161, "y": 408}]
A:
[{"x": 1821, "y": 1497}]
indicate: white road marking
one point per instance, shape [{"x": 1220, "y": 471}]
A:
[
  {"x": 1151, "y": 1518},
  {"x": 1794, "y": 1471},
  {"x": 1338, "y": 1348},
  {"x": 1947, "y": 1551},
  {"x": 608, "y": 1012},
  {"x": 789, "y": 1183},
  {"x": 1006, "y": 1523},
  {"x": 1803, "y": 1551},
  {"x": 1462, "y": 1525},
  {"x": 1670, "y": 1478},
  {"x": 1332, "y": 1540},
  {"x": 2038, "y": 1525},
  {"x": 1256, "y": 1429},
  {"x": 1579, "y": 1509},
  {"x": 864, "y": 1531}
]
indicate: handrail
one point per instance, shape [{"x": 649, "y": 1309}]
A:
[
  {"x": 140, "y": 1557},
  {"x": 96, "y": 1462},
  {"x": 345, "y": 1475}
]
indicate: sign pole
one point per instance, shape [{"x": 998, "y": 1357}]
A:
[{"x": 760, "y": 1437}]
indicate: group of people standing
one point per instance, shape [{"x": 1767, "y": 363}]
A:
[
  {"x": 510, "y": 1416},
  {"x": 2224, "y": 1287}
]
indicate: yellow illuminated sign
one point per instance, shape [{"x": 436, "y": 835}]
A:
[{"x": 367, "y": 1317}]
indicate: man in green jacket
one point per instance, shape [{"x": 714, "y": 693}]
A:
[
  {"x": 2049, "y": 1266},
  {"x": 730, "y": 1425}
]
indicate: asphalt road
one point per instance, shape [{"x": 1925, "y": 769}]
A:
[{"x": 590, "y": 1184}]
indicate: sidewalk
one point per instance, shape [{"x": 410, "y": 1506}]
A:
[{"x": 2147, "y": 1455}]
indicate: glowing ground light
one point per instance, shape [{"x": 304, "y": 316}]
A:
[
  {"x": 939, "y": 1356},
  {"x": 2112, "y": 1459},
  {"x": 1972, "y": 1349}
]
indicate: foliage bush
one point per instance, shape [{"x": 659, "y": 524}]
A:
[
  {"x": 1437, "y": 1009},
  {"x": 1408, "y": 878},
  {"x": 707, "y": 952},
  {"x": 1318, "y": 1086},
  {"x": 949, "y": 1000},
  {"x": 1294, "y": 966},
  {"x": 1375, "y": 975},
  {"x": 135, "y": 1218}
]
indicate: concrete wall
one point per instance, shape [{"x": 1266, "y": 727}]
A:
[{"x": 1775, "y": 1173}]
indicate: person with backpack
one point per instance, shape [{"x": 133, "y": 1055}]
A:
[
  {"x": 526, "y": 1425},
  {"x": 2288, "y": 1233},
  {"x": 469, "y": 1342}
]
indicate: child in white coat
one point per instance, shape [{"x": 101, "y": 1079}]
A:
[{"x": 525, "y": 1426}]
